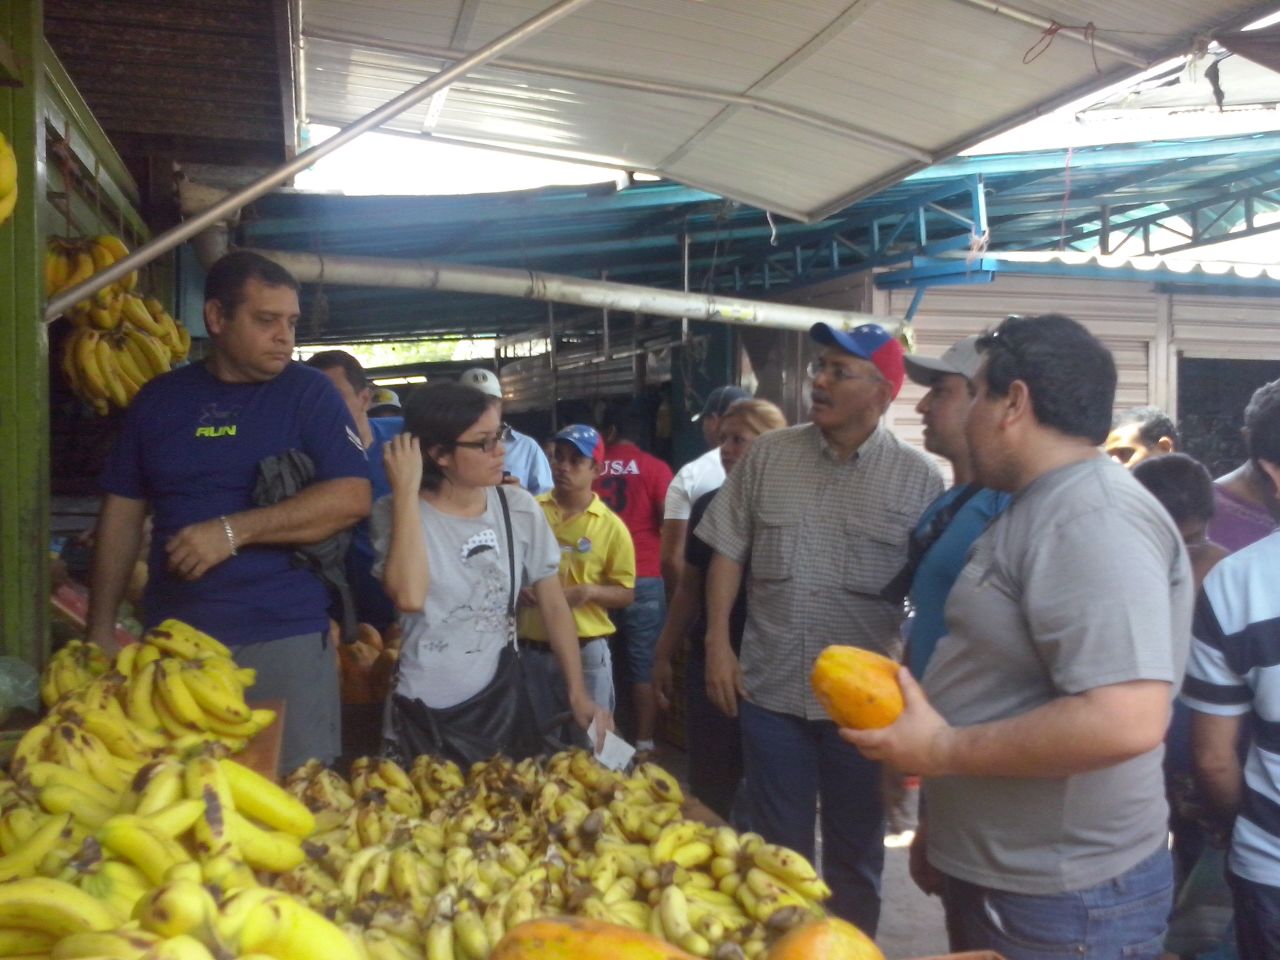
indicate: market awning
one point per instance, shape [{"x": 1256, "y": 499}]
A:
[{"x": 800, "y": 108}]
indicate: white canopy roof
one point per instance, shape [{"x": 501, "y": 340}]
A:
[{"x": 795, "y": 106}]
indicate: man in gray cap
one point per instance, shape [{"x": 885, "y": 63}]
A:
[
  {"x": 526, "y": 462},
  {"x": 697, "y": 477},
  {"x": 940, "y": 542},
  {"x": 949, "y": 525}
]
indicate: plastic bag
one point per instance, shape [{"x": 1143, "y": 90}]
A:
[{"x": 19, "y": 687}]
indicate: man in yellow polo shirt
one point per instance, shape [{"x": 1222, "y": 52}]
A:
[{"x": 597, "y": 571}]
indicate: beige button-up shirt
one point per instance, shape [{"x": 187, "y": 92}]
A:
[{"x": 823, "y": 537}]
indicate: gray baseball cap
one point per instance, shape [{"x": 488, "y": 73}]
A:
[{"x": 961, "y": 357}]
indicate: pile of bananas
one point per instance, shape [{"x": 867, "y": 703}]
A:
[
  {"x": 126, "y": 830},
  {"x": 437, "y": 864},
  {"x": 74, "y": 666},
  {"x": 8, "y": 180},
  {"x": 121, "y": 339}
]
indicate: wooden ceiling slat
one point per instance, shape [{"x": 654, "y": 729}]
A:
[
  {"x": 193, "y": 82},
  {"x": 242, "y": 17}
]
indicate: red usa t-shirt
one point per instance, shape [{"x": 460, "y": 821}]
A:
[{"x": 634, "y": 486}]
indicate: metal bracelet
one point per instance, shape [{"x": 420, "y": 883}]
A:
[{"x": 231, "y": 537}]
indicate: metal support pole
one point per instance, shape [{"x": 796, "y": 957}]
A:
[
  {"x": 555, "y": 370},
  {"x": 1002, "y": 9},
  {"x": 604, "y": 317},
  {"x": 558, "y": 288},
  {"x": 684, "y": 321},
  {"x": 268, "y": 182}
]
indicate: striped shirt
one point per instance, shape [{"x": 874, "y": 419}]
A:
[
  {"x": 824, "y": 537},
  {"x": 1234, "y": 670}
]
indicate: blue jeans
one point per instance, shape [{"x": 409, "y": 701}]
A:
[
  {"x": 1257, "y": 918},
  {"x": 640, "y": 625},
  {"x": 1119, "y": 919},
  {"x": 789, "y": 763}
]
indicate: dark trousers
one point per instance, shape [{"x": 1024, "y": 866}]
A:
[
  {"x": 1257, "y": 918},
  {"x": 714, "y": 742},
  {"x": 792, "y": 763}
]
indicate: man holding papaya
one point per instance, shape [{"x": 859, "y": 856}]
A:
[
  {"x": 822, "y": 511},
  {"x": 1040, "y": 726}
]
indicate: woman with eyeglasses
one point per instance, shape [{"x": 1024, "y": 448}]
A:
[
  {"x": 712, "y": 738},
  {"x": 449, "y": 540}
]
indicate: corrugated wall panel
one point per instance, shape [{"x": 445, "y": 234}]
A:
[{"x": 1246, "y": 328}]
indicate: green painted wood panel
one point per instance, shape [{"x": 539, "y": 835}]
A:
[{"x": 24, "y": 379}]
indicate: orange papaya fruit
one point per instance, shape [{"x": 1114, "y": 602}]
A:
[
  {"x": 829, "y": 939},
  {"x": 858, "y": 688},
  {"x": 579, "y": 938}
]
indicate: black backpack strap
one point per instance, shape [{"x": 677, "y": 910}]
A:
[
  {"x": 511, "y": 549},
  {"x": 900, "y": 586}
]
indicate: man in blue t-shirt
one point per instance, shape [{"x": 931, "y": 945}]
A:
[
  {"x": 949, "y": 526},
  {"x": 940, "y": 542},
  {"x": 373, "y": 606},
  {"x": 189, "y": 451}
]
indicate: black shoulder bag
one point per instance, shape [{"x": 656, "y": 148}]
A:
[{"x": 497, "y": 719}]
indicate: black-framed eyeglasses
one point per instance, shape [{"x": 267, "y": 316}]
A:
[
  {"x": 488, "y": 444},
  {"x": 834, "y": 371}
]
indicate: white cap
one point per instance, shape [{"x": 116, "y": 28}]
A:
[{"x": 486, "y": 381}]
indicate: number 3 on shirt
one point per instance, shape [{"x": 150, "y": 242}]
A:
[{"x": 614, "y": 493}]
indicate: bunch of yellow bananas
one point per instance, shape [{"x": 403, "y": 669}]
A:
[
  {"x": 72, "y": 667},
  {"x": 181, "y": 918},
  {"x": 207, "y": 820},
  {"x": 68, "y": 262},
  {"x": 183, "y": 684},
  {"x": 8, "y": 179},
  {"x": 120, "y": 340}
]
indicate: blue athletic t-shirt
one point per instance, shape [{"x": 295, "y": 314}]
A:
[
  {"x": 940, "y": 566},
  {"x": 373, "y": 606},
  {"x": 191, "y": 446}
]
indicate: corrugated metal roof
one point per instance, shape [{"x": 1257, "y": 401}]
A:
[
  {"x": 773, "y": 103},
  {"x": 1207, "y": 270},
  {"x": 636, "y": 235}
]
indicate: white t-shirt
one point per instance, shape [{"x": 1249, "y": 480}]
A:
[
  {"x": 451, "y": 646},
  {"x": 691, "y": 481}
]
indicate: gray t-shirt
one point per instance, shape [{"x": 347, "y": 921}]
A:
[
  {"x": 451, "y": 646},
  {"x": 1082, "y": 582}
]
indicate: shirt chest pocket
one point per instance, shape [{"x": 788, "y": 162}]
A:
[
  {"x": 773, "y": 550},
  {"x": 875, "y": 550}
]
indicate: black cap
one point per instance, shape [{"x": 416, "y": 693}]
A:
[{"x": 720, "y": 400}]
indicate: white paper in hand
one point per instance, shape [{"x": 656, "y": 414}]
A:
[{"x": 616, "y": 752}]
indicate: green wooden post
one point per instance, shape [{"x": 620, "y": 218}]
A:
[{"x": 24, "y": 349}]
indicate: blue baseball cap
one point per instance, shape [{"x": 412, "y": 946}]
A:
[
  {"x": 586, "y": 439},
  {"x": 870, "y": 341}
]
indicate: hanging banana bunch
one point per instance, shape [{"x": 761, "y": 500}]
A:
[
  {"x": 120, "y": 339},
  {"x": 8, "y": 179}
]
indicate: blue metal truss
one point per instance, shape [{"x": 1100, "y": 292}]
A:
[{"x": 1229, "y": 215}]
